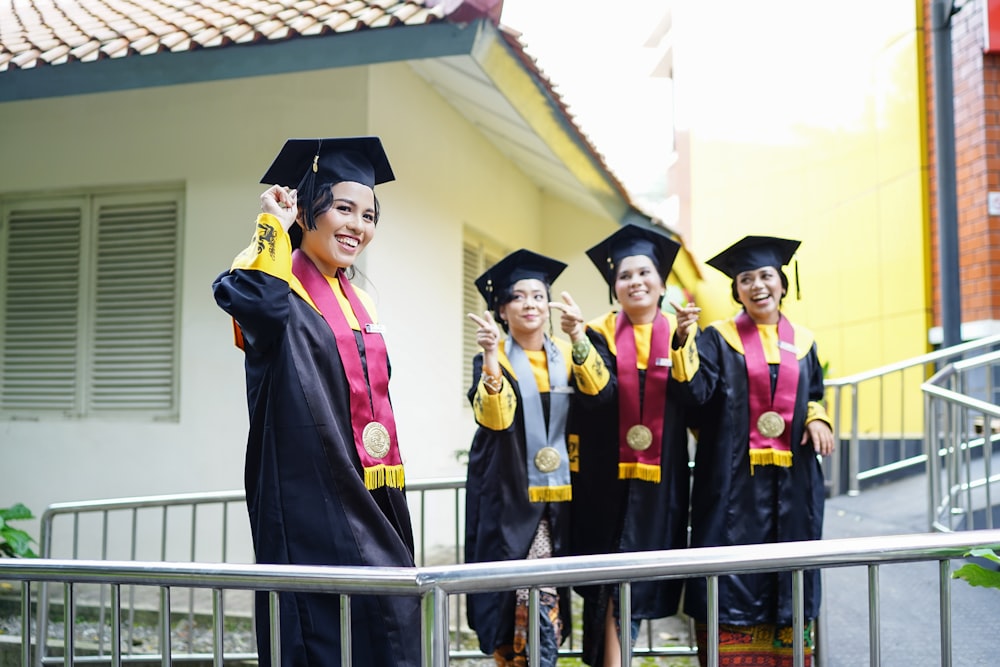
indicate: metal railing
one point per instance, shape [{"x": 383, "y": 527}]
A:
[
  {"x": 148, "y": 528},
  {"x": 869, "y": 398},
  {"x": 438, "y": 585},
  {"x": 960, "y": 433}
]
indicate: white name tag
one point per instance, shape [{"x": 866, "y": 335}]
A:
[
  {"x": 788, "y": 347},
  {"x": 562, "y": 390},
  {"x": 374, "y": 328},
  {"x": 663, "y": 361}
]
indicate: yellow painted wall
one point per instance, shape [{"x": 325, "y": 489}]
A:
[{"x": 805, "y": 121}]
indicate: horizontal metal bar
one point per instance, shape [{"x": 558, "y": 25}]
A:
[
  {"x": 509, "y": 575},
  {"x": 232, "y": 496},
  {"x": 961, "y": 399},
  {"x": 893, "y": 467},
  {"x": 922, "y": 360}
]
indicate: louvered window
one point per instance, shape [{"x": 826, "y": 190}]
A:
[
  {"x": 477, "y": 256},
  {"x": 89, "y": 291}
]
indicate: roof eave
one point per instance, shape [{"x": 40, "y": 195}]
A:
[{"x": 503, "y": 63}]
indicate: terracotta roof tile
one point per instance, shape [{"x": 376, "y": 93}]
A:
[{"x": 54, "y": 32}]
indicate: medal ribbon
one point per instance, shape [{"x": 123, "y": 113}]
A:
[
  {"x": 552, "y": 486},
  {"x": 366, "y": 407},
  {"x": 765, "y": 450},
  {"x": 646, "y": 408}
]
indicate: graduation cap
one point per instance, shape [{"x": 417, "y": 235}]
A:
[
  {"x": 302, "y": 163},
  {"x": 519, "y": 265},
  {"x": 754, "y": 252},
  {"x": 629, "y": 241}
]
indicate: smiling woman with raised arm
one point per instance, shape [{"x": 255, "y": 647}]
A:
[
  {"x": 630, "y": 485},
  {"x": 324, "y": 476},
  {"x": 518, "y": 489},
  {"x": 757, "y": 476}
]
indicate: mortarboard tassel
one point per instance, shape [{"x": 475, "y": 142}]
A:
[
  {"x": 611, "y": 282},
  {"x": 306, "y": 190},
  {"x": 798, "y": 290}
]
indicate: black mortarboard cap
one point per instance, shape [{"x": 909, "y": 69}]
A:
[
  {"x": 754, "y": 252},
  {"x": 629, "y": 241},
  {"x": 519, "y": 265},
  {"x": 302, "y": 163}
]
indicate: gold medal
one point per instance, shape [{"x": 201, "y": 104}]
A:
[
  {"x": 547, "y": 459},
  {"x": 770, "y": 424},
  {"x": 375, "y": 438},
  {"x": 639, "y": 437}
]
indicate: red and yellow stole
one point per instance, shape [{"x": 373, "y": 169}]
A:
[
  {"x": 372, "y": 421},
  {"x": 770, "y": 416},
  {"x": 640, "y": 417}
]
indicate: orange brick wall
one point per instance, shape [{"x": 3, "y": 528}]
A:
[{"x": 976, "y": 81}]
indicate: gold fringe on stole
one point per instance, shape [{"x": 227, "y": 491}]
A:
[
  {"x": 383, "y": 475},
  {"x": 643, "y": 471},
  {"x": 550, "y": 494},
  {"x": 770, "y": 457}
]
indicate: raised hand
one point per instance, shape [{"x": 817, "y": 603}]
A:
[
  {"x": 282, "y": 203},
  {"x": 571, "y": 319},
  {"x": 687, "y": 320},
  {"x": 488, "y": 333}
]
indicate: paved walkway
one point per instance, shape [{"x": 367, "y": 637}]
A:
[{"x": 909, "y": 601}]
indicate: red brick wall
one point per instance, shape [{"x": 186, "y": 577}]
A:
[{"x": 976, "y": 81}]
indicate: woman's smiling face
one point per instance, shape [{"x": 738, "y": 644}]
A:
[
  {"x": 528, "y": 311},
  {"x": 343, "y": 230},
  {"x": 638, "y": 287},
  {"x": 760, "y": 291}
]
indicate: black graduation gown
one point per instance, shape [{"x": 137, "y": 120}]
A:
[
  {"x": 500, "y": 519},
  {"x": 612, "y": 515},
  {"x": 306, "y": 496},
  {"x": 731, "y": 506}
]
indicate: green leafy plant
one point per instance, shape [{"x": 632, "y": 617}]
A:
[
  {"x": 976, "y": 574},
  {"x": 14, "y": 542}
]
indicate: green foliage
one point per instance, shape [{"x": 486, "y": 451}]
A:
[
  {"x": 977, "y": 575},
  {"x": 14, "y": 542}
]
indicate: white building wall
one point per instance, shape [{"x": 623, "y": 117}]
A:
[{"x": 216, "y": 139}]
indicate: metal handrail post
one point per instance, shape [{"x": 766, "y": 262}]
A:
[
  {"x": 625, "y": 621},
  {"x": 25, "y": 624},
  {"x": 274, "y": 624},
  {"x": 835, "y": 468},
  {"x": 932, "y": 451},
  {"x": 853, "y": 456},
  {"x": 874, "y": 641},
  {"x": 345, "y": 630},
  {"x": 69, "y": 625},
  {"x": 713, "y": 621},
  {"x": 944, "y": 582},
  {"x": 798, "y": 622},
  {"x": 435, "y": 627},
  {"x": 534, "y": 652}
]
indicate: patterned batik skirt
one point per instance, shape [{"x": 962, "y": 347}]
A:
[
  {"x": 764, "y": 645},
  {"x": 549, "y": 625}
]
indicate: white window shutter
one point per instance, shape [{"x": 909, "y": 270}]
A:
[
  {"x": 477, "y": 256},
  {"x": 133, "y": 362},
  {"x": 41, "y": 302}
]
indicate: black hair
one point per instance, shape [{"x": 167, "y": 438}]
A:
[
  {"x": 784, "y": 286},
  {"x": 506, "y": 295}
]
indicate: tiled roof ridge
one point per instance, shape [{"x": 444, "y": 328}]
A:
[{"x": 35, "y": 33}]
